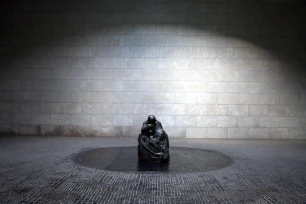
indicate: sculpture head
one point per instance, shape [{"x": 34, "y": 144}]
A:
[{"x": 151, "y": 119}]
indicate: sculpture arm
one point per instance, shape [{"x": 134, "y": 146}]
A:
[{"x": 144, "y": 145}]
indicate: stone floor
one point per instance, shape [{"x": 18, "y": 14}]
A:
[{"x": 41, "y": 170}]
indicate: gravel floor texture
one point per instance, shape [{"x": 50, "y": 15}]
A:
[{"x": 44, "y": 170}]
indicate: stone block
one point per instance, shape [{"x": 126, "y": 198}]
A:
[
  {"x": 131, "y": 131},
  {"x": 193, "y": 109},
  {"x": 86, "y": 63},
  {"x": 133, "y": 86},
  {"x": 76, "y": 131},
  {"x": 216, "y": 41},
  {"x": 196, "y": 41},
  {"x": 81, "y": 73},
  {"x": 227, "y": 98},
  {"x": 269, "y": 76},
  {"x": 92, "y": 108},
  {"x": 238, "y": 87},
  {"x": 5, "y": 118},
  {"x": 289, "y": 98},
  {"x": 102, "y": 97},
  {"x": 92, "y": 85},
  {"x": 112, "y": 108},
  {"x": 166, "y": 109},
  {"x": 165, "y": 75},
  {"x": 175, "y": 132},
  {"x": 217, "y": 133},
  {"x": 258, "y": 110},
  {"x": 31, "y": 130},
  {"x": 137, "y": 40},
  {"x": 50, "y": 130},
  {"x": 102, "y": 73},
  {"x": 278, "y": 133},
  {"x": 107, "y": 131},
  {"x": 298, "y": 110},
  {"x": 217, "y": 109},
  {"x": 258, "y": 133},
  {"x": 21, "y": 119},
  {"x": 302, "y": 121},
  {"x": 82, "y": 97},
  {"x": 133, "y": 63},
  {"x": 271, "y": 87},
  {"x": 70, "y": 107},
  {"x": 9, "y": 129},
  {"x": 31, "y": 107},
  {"x": 216, "y": 64},
  {"x": 237, "y": 64},
  {"x": 51, "y": 108},
  {"x": 139, "y": 119},
  {"x": 195, "y": 132},
  {"x": 120, "y": 52},
  {"x": 112, "y": 85},
  {"x": 267, "y": 99},
  {"x": 215, "y": 87},
  {"x": 254, "y": 87},
  {"x": 248, "y": 76},
  {"x": 227, "y": 121},
  {"x": 166, "y": 120},
  {"x": 83, "y": 51},
  {"x": 186, "y": 98},
  {"x": 104, "y": 51},
  {"x": 71, "y": 85},
  {"x": 61, "y": 119},
  {"x": 133, "y": 74},
  {"x": 248, "y": 98},
  {"x": 278, "y": 110},
  {"x": 122, "y": 120},
  {"x": 186, "y": 121},
  {"x": 248, "y": 53},
  {"x": 61, "y": 51},
  {"x": 288, "y": 122},
  {"x": 237, "y": 110},
  {"x": 248, "y": 122},
  {"x": 154, "y": 97},
  {"x": 207, "y": 75},
  {"x": 81, "y": 119},
  {"x": 236, "y": 42},
  {"x": 240, "y": 133},
  {"x": 227, "y": 75},
  {"x": 134, "y": 109},
  {"x": 297, "y": 133},
  {"x": 206, "y": 98},
  {"x": 112, "y": 63},
  {"x": 10, "y": 85},
  {"x": 155, "y": 40},
  {"x": 186, "y": 75},
  {"x": 40, "y": 119},
  {"x": 268, "y": 121},
  {"x": 207, "y": 121},
  {"x": 108, "y": 40},
  {"x": 60, "y": 73},
  {"x": 40, "y": 74},
  {"x": 102, "y": 120}
]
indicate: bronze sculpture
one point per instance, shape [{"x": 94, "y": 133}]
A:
[{"x": 153, "y": 142}]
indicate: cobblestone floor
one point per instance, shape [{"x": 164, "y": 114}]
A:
[{"x": 40, "y": 170}]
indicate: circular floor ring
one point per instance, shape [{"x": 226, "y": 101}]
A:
[{"x": 125, "y": 159}]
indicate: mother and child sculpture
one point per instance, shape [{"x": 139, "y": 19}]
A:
[{"x": 153, "y": 142}]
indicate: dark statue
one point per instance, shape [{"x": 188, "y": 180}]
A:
[{"x": 153, "y": 142}]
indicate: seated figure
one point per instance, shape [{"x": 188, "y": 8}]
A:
[{"x": 153, "y": 142}]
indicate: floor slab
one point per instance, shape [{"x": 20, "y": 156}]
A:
[{"x": 41, "y": 170}]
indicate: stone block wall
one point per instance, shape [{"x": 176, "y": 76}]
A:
[{"x": 206, "y": 69}]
